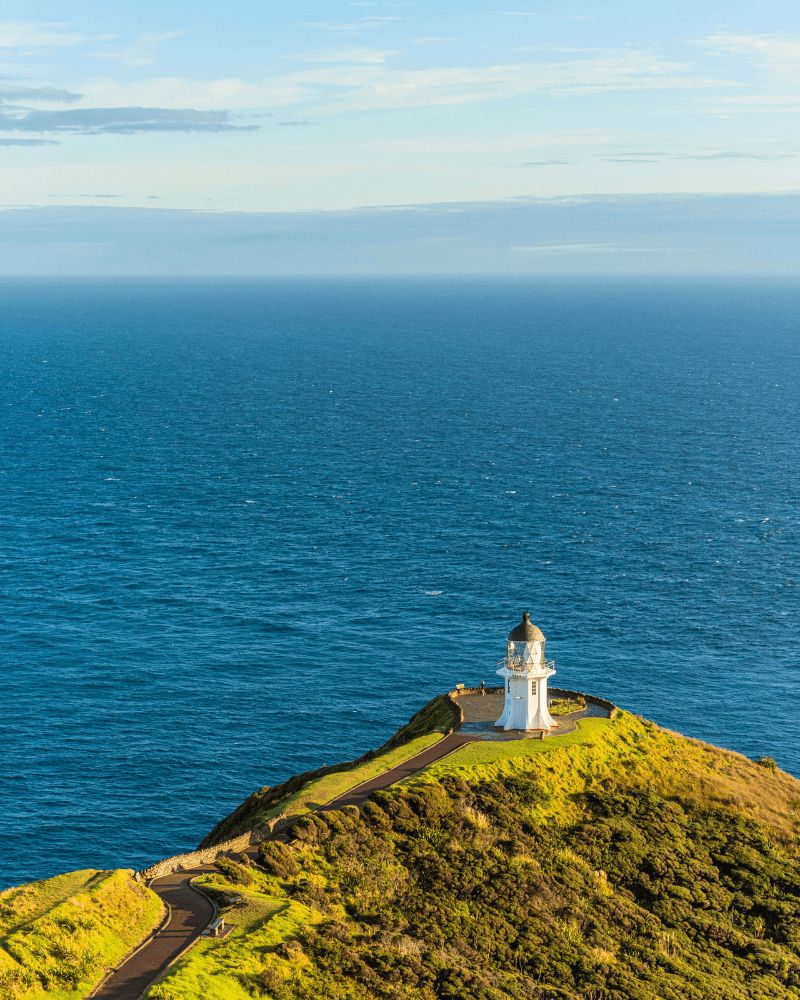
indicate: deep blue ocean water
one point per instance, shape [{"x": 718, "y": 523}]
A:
[{"x": 249, "y": 527}]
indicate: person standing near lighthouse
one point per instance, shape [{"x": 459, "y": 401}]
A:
[{"x": 525, "y": 672}]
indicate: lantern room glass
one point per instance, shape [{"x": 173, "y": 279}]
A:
[{"x": 524, "y": 655}]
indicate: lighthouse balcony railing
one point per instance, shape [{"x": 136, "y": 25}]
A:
[{"x": 517, "y": 665}]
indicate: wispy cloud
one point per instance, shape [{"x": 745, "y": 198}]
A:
[
  {"x": 96, "y": 121},
  {"x": 28, "y": 142},
  {"x": 320, "y": 89},
  {"x": 549, "y": 17},
  {"x": 556, "y": 161},
  {"x": 726, "y": 154},
  {"x": 355, "y": 54},
  {"x": 46, "y": 94},
  {"x": 781, "y": 48},
  {"x": 352, "y": 27},
  {"x": 736, "y": 155},
  {"x": 777, "y": 55},
  {"x": 141, "y": 52},
  {"x": 627, "y": 70},
  {"x": 474, "y": 144},
  {"x": 560, "y": 248},
  {"x": 759, "y": 104},
  {"x": 556, "y": 48},
  {"x": 15, "y": 35}
]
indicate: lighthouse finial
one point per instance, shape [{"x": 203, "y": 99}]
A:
[{"x": 525, "y": 616}]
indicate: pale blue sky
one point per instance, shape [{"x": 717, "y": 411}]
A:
[{"x": 250, "y": 108}]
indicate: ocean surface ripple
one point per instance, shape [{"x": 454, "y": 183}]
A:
[{"x": 250, "y": 526}]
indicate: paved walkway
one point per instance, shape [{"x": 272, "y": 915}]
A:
[
  {"x": 192, "y": 912},
  {"x": 358, "y": 795}
]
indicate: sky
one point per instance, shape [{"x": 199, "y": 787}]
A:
[
  {"x": 317, "y": 106},
  {"x": 493, "y": 122}
]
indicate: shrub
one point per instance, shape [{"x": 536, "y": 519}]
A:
[
  {"x": 563, "y": 706},
  {"x": 310, "y": 829},
  {"x": 234, "y": 872},
  {"x": 641, "y": 897},
  {"x": 277, "y": 859},
  {"x": 768, "y": 763}
]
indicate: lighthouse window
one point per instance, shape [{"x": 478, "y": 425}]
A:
[
  {"x": 509, "y": 685},
  {"x": 533, "y": 687}
]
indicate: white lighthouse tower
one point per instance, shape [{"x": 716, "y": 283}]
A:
[{"x": 525, "y": 672}]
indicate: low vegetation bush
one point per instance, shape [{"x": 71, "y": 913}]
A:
[
  {"x": 277, "y": 859},
  {"x": 455, "y": 890},
  {"x": 563, "y": 706},
  {"x": 234, "y": 872}
]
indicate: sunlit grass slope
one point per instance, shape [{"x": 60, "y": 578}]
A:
[
  {"x": 475, "y": 759},
  {"x": 58, "y": 936},
  {"x": 622, "y": 862},
  {"x": 629, "y": 753},
  {"x": 231, "y": 968},
  {"x": 317, "y": 794}
]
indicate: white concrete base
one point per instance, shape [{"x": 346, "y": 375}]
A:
[{"x": 525, "y": 702}]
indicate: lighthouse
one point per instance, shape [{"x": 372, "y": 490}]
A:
[{"x": 525, "y": 672}]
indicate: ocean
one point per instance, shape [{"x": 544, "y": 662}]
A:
[{"x": 250, "y": 526}]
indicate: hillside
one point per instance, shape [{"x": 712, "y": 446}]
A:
[
  {"x": 621, "y": 861},
  {"x": 58, "y": 936}
]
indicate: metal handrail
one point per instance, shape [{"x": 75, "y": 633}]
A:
[{"x": 519, "y": 666}]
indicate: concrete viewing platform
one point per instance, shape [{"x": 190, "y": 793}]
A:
[{"x": 481, "y": 710}]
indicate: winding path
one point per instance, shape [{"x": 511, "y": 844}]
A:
[
  {"x": 191, "y": 912},
  {"x": 358, "y": 795}
]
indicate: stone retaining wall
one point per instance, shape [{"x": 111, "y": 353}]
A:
[
  {"x": 461, "y": 690},
  {"x": 183, "y": 862}
]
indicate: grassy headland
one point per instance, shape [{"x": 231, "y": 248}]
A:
[
  {"x": 622, "y": 861},
  {"x": 58, "y": 936}
]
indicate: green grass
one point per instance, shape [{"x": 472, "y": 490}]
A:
[
  {"x": 240, "y": 965},
  {"x": 317, "y": 794},
  {"x": 253, "y": 908},
  {"x": 565, "y": 706},
  {"x": 24, "y": 903},
  {"x": 61, "y": 934},
  {"x": 471, "y": 761}
]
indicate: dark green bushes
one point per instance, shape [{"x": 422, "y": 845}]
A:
[
  {"x": 234, "y": 872},
  {"x": 453, "y": 890},
  {"x": 278, "y": 859}
]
